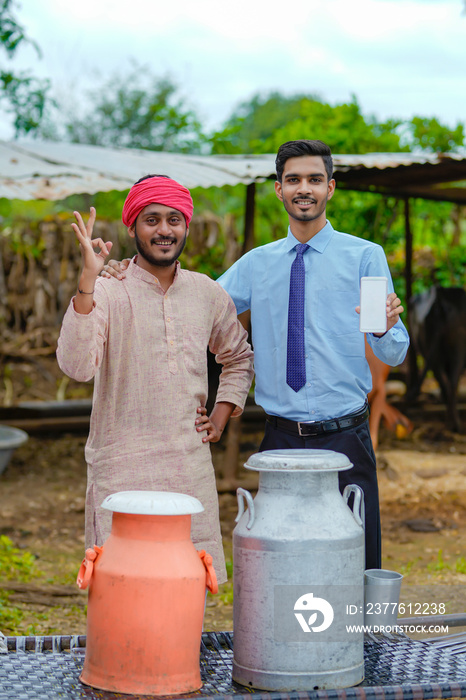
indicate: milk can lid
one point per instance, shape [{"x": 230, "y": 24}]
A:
[
  {"x": 298, "y": 460},
  {"x": 152, "y": 503}
]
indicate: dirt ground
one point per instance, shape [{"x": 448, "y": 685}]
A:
[{"x": 423, "y": 503}]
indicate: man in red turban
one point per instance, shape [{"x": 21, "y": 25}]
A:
[
  {"x": 144, "y": 341},
  {"x": 172, "y": 201}
]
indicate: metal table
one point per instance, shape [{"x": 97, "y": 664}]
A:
[{"x": 396, "y": 668}]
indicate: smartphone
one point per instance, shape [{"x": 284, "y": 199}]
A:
[{"x": 373, "y": 314}]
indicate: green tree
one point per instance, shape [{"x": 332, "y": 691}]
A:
[
  {"x": 430, "y": 135},
  {"x": 261, "y": 124},
  {"x": 135, "y": 110},
  {"x": 21, "y": 94},
  {"x": 253, "y": 121},
  {"x": 343, "y": 126}
]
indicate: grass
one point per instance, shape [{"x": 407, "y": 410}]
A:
[
  {"x": 460, "y": 565},
  {"x": 405, "y": 569},
  {"x": 15, "y": 565},
  {"x": 440, "y": 565}
]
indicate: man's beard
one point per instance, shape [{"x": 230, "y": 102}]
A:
[
  {"x": 303, "y": 216},
  {"x": 145, "y": 252}
]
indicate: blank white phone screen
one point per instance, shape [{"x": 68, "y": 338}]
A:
[{"x": 373, "y": 315}]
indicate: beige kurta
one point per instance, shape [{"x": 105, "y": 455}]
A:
[{"x": 148, "y": 353}]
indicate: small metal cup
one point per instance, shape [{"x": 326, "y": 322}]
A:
[{"x": 381, "y": 597}]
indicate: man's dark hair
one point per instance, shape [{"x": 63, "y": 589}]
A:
[
  {"x": 303, "y": 147},
  {"x": 147, "y": 177}
]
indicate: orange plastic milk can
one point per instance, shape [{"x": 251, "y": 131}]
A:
[{"x": 147, "y": 587}]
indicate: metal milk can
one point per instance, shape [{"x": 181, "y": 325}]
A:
[
  {"x": 147, "y": 587},
  {"x": 298, "y": 569}
]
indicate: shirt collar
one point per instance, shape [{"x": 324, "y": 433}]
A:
[
  {"x": 319, "y": 242},
  {"x": 142, "y": 274}
]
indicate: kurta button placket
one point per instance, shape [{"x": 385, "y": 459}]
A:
[{"x": 170, "y": 329}]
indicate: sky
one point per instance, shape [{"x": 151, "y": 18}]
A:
[{"x": 400, "y": 58}]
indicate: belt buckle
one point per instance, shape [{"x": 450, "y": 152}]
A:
[
  {"x": 301, "y": 434},
  {"x": 308, "y": 425}
]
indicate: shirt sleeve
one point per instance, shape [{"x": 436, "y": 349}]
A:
[
  {"x": 237, "y": 282},
  {"x": 392, "y": 347},
  {"x": 82, "y": 340},
  {"x": 229, "y": 343}
]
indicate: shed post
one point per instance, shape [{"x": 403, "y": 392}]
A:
[
  {"x": 249, "y": 213},
  {"x": 231, "y": 456},
  {"x": 408, "y": 253},
  {"x": 412, "y": 361}
]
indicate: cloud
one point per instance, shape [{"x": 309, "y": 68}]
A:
[{"x": 400, "y": 57}]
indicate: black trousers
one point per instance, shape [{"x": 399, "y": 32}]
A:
[{"x": 356, "y": 444}]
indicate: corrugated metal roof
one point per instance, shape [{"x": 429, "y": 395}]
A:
[
  {"x": 437, "y": 176},
  {"x": 48, "y": 170},
  {"x": 393, "y": 160}
]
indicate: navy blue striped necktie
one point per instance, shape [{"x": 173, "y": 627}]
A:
[{"x": 296, "y": 360}]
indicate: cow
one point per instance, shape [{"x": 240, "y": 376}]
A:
[{"x": 438, "y": 333}]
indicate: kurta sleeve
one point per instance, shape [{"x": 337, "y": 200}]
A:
[
  {"x": 82, "y": 340},
  {"x": 229, "y": 343}
]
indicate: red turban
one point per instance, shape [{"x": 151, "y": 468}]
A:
[{"x": 158, "y": 190}]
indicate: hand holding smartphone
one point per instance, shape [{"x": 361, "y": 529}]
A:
[{"x": 373, "y": 312}]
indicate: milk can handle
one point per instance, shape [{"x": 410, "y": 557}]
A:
[
  {"x": 358, "y": 503},
  {"x": 242, "y": 492},
  {"x": 87, "y": 567},
  {"x": 211, "y": 577}
]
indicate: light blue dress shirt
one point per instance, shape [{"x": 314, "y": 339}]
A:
[{"x": 338, "y": 377}]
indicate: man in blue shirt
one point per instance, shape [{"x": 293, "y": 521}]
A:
[
  {"x": 328, "y": 410},
  {"x": 337, "y": 376}
]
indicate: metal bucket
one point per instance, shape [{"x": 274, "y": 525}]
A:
[{"x": 298, "y": 563}]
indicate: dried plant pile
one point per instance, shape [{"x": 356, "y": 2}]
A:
[{"x": 39, "y": 267}]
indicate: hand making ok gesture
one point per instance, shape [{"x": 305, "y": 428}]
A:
[{"x": 93, "y": 250}]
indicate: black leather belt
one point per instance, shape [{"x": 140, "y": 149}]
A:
[{"x": 335, "y": 425}]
